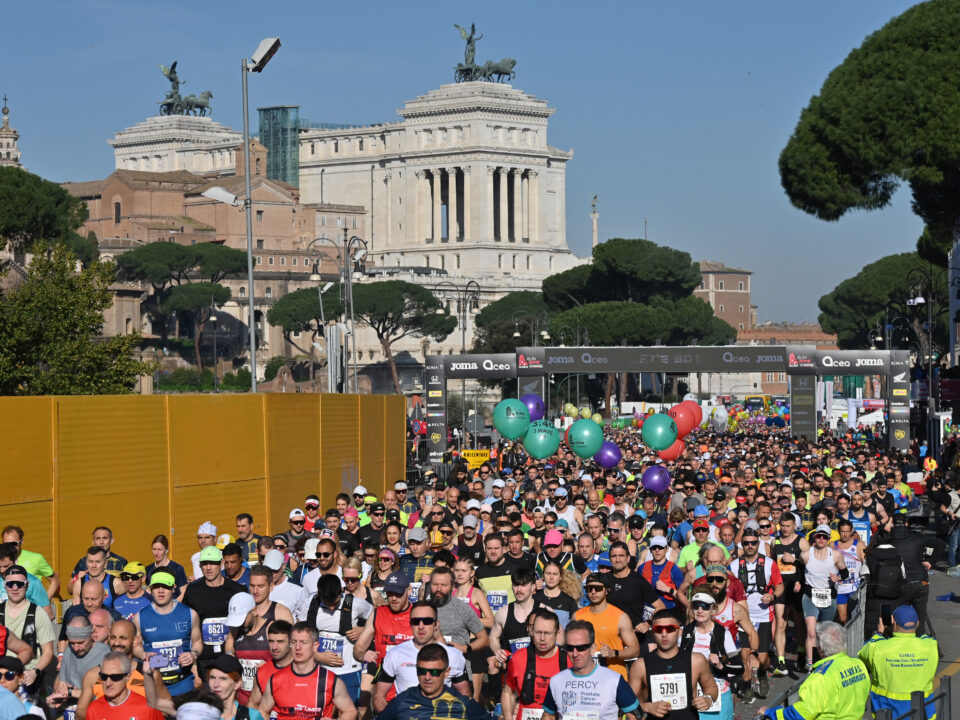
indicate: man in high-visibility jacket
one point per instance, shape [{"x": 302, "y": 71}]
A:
[
  {"x": 901, "y": 664},
  {"x": 837, "y": 687}
]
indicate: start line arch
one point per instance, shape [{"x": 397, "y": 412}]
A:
[{"x": 802, "y": 364}]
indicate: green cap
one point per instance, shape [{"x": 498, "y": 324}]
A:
[
  {"x": 210, "y": 554},
  {"x": 162, "y": 578}
]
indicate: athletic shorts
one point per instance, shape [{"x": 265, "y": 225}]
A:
[
  {"x": 842, "y": 598},
  {"x": 764, "y": 636},
  {"x": 821, "y": 614},
  {"x": 352, "y": 682}
]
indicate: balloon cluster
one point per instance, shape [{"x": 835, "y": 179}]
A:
[
  {"x": 523, "y": 418},
  {"x": 585, "y": 437}
]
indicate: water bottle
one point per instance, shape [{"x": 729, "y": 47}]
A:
[{"x": 497, "y": 712}]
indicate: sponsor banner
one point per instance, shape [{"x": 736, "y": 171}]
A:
[
  {"x": 728, "y": 358},
  {"x": 530, "y": 361},
  {"x": 436, "y": 409},
  {"x": 499, "y": 365},
  {"x": 803, "y": 406},
  {"x": 853, "y": 362},
  {"x": 801, "y": 359},
  {"x": 898, "y": 422},
  {"x": 475, "y": 458}
]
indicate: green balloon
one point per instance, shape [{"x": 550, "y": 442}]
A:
[
  {"x": 585, "y": 437},
  {"x": 659, "y": 431},
  {"x": 510, "y": 418},
  {"x": 542, "y": 439}
]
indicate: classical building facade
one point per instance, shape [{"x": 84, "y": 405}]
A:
[
  {"x": 727, "y": 290},
  {"x": 9, "y": 140},
  {"x": 177, "y": 142}
]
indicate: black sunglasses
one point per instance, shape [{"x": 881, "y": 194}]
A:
[
  {"x": 701, "y": 606},
  {"x": 350, "y": 579},
  {"x": 432, "y": 672},
  {"x": 15, "y": 584},
  {"x": 596, "y": 588},
  {"x": 116, "y": 677},
  {"x": 9, "y": 675},
  {"x": 130, "y": 576},
  {"x": 324, "y": 554},
  {"x": 422, "y": 620},
  {"x": 578, "y": 648},
  {"x": 716, "y": 579}
]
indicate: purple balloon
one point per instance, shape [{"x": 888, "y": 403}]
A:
[
  {"x": 534, "y": 405},
  {"x": 656, "y": 478},
  {"x": 608, "y": 455}
]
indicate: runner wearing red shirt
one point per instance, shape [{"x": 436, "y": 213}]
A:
[
  {"x": 118, "y": 703},
  {"x": 528, "y": 678}
]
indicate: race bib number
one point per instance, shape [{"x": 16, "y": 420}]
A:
[
  {"x": 519, "y": 644},
  {"x": 785, "y": 567},
  {"x": 533, "y": 714},
  {"x": 415, "y": 591},
  {"x": 497, "y": 599},
  {"x": 169, "y": 649},
  {"x": 214, "y": 632},
  {"x": 70, "y": 713},
  {"x": 330, "y": 642},
  {"x": 715, "y": 705},
  {"x": 250, "y": 667},
  {"x": 864, "y": 534},
  {"x": 671, "y": 688},
  {"x": 821, "y": 597}
]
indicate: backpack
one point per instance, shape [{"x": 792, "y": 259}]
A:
[
  {"x": 887, "y": 580},
  {"x": 346, "y": 613},
  {"x": 759, "y": 574},
  {"x": 732, "y": 664},
  {"x": 530, "y": 674},
  {"x": 29, "y": 635}
]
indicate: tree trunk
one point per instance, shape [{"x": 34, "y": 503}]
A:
[
  {"x": 608, "y": 393},
  {"x": 385, "y": 344}
]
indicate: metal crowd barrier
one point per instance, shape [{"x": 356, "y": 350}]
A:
[{"x": 942, "y": 700}]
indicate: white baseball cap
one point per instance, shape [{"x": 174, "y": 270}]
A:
[
  {"x": 240, "y": 606},
  {"x": 359, "y": 490},
  {"x": 310, "y": 549},
  {"x": 296, "y": 512},
  {"x": 273, "y": 560}
]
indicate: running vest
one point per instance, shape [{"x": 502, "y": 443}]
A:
[
  {"x": 389, "y": 628},
  {"x": 169, "y": 635},
  {"x": 303, "y": 697},
  {"x": 861, "y": 525},
  {"x": 515, "y": 632},
  {"x": 530, "y": 674},
  {"x": 29, "y": 635},
  {"x": 346, "y": 613},
  {"x": 670, "y": 679},
  {"x": 759, "y": 575},
  {"x": 725, "y": 617},
  {"x": 646, "y": 570},
  {"x": 253, "y": 651}
]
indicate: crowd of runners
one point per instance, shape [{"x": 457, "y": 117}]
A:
[{"x": 546, "y": 588}]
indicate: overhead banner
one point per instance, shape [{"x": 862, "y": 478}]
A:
[
  {"x": 484, "y": 367},
  {"x": 530, "y": 361},
  {"x": 805, "y": 360},
  {"x": 724, "y": 358},
  {"x": 898, "y": 389},
  {"x": 803, "y": 406},
  {"x": 436, "y": 409}
]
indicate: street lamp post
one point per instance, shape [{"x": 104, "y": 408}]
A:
[
  {"x": 922, "y": 282},
  {"x": 213, "y": 319},
  {"x": 538, "y": 324},
  {"x": 581, "y": 338},
  {"x": 265, "y": 50},
  {"x": 466, "y": 297}
]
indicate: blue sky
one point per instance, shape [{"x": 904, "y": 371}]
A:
[{"x": 676, "y": 109}]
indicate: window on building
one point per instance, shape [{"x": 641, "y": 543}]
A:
[
  {"x": 457, "y": 256},
  {"x": 703, "y": 284},
  {"x": 257, "y": 171},
  {"x": 259, "y": 243},
  {"x": 528, "y": 262},
  {"x": 323, "y": 221},
  {"x": 294, "y": 262},
  {"x": 340, "y": 221},
  {"x": 443, "y": 262},
  {"x": 740, "y": 285},
  {"x": 283, "y": 261},
  {"x": 259, "y": 215},
  {"x": 313, "y": 148},
  {"x": 336, "y": 146},
  {"x": 741, "y": 308},
  {"x": 243, "y": 291},
  {"x": 500, "y": 262},
  {"x": 360, "y": 144},
  {"x": 259, "y": 259},
  {"x": 740, "y": 327},
  {"x": 116, "y": 213},
  {"x": 269, "y": 261},
  {"x": 719, "y": 308},
  {"x": 268, "y": 291},
  {"x": 781, "y": 377},
  {"x": 426, "y": 260},
  {"x": 720, "y": 285},
  {"x": 514, "y": 262}
]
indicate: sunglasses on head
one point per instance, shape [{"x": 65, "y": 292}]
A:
[
  {"x": 577, "y": 648},
  {"x": 422, "y": 620},
  {"x": 116, "y": 677},
  {"x": 662, "y": 629},
  {"x": 432, "y": 672}
]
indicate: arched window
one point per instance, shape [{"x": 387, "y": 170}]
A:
[
  {"x": 268, "y": 292},
  {"x": 243, "y": 292},
  {"x": 116, "y": 213},
  {"x": 258, "y": 166}
]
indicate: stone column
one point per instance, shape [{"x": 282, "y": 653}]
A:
[
  {"x": 453, "y": 203},
  {"x": 467, "y": 208},
  {"x": 437, "y": 204},
  {"x": 386, "y": 188},
  {"x": 517, "y": 205},
  {"x": 418, "y": 206},
  {"x": 533, "y": 190},
  {"x": 491, "y": 179},
  {"x": 504, "y": 205}
]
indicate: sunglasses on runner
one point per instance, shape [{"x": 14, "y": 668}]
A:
[
  {"x": 662, "y": 629},
  {"x": 350, "y": 579},
  {"x": 9, "y": 675},
  {"x": 821, "y": 536},
  {"x": 596, "y": 588},
  {"x": 716, "y": 579},
  {"x": 750, "y": 542},
  {"x": 422, "y": 620},
  {"x": 701, "y": 606},
  {"x": 432, "y": 672},
  {"x": 126, "y": 577},
  {"x": 578, "y": 648},
  {"x": 324, "y": 554},
  {"x": 116, "y": 677},
  {"x": 15, "y": 584}
]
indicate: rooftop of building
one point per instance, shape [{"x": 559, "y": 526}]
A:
[
  {"x": 711, "y": 266},
  {"x": 136, "y": 180}
]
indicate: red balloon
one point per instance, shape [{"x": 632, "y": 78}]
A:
[
  {"x": 566, "y": 435},
  {"x": 672, "y": 452},
  {"x": 697, "y": 410},
  {"x": 684, "y": 417}
]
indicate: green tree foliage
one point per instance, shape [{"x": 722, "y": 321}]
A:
[
  {"x": 165, "y": 266},
  {"x": 624, "y": 270},
  {"x": 495, "y": 323},
  {"x": 33, "y": 209},
  {"x": 198, "y": 299},
  {"x": 889, "y": 113},
  {"x": 86, "y": 248},
  {"x": 396, "y": 309},
  {"x": 876, "y": 297},
  {"x": 300, "y": 312},
  {"x": 51, "y": 329}
]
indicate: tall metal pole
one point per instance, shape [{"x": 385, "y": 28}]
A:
[
  {"x": 933, "y": 438},
  {"x": 248, "y": 208},
  {"x": 462, "y": 311}
]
